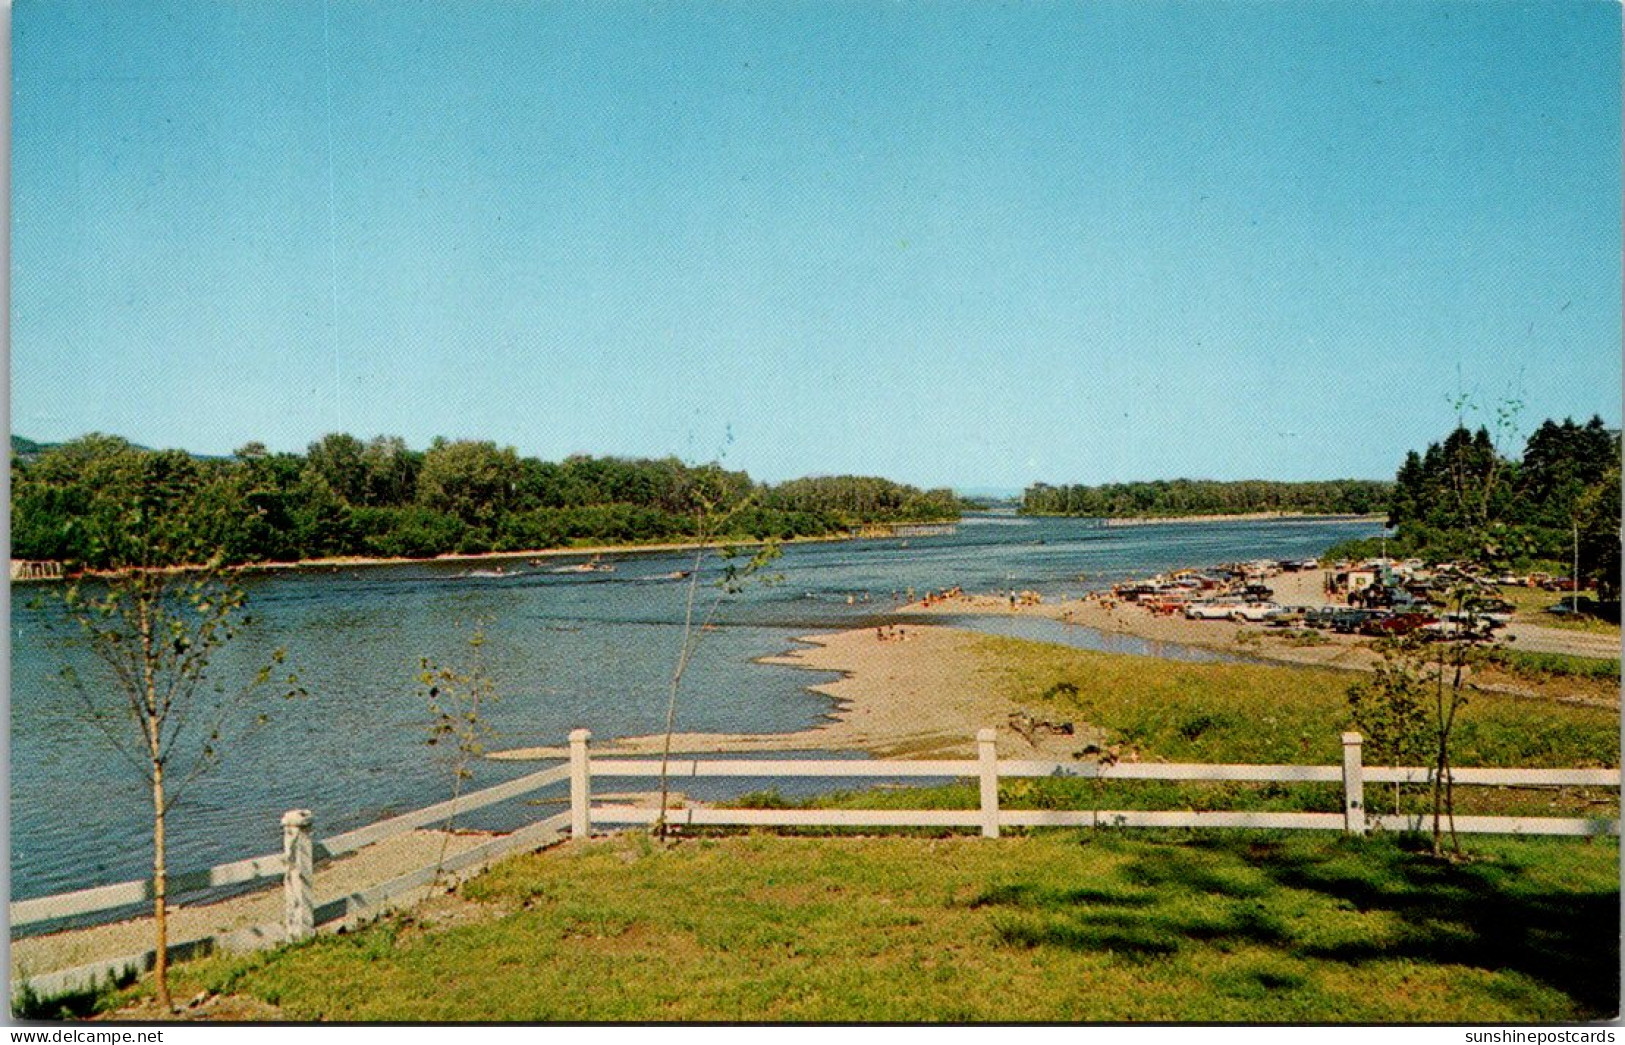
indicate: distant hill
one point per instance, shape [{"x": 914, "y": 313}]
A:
[{"x": 28, "y": 449}]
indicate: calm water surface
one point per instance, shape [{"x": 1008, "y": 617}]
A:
[{"x": 567, "y": 650}]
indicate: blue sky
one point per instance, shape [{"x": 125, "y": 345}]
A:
[{"x": 954, "y": 243}]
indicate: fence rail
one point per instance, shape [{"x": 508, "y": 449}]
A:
[
  {"x": 303, "y": 914},
  {"x": 988, "y": 769}
]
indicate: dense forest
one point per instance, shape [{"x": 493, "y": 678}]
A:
[
  {"x": 1178, "y": 497},
  {"x": 100, "y": 501},
  {"x": 1463, "y": 499}
]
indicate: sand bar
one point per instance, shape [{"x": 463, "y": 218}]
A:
[{"x": 924, "y": 694}]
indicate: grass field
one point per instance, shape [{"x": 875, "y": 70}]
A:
[
  {"x": 1525, "y": 664},
  {"x": 1188, "y": 712},
  {"x": 1531, "y": 604},
  {"x": 1053, "y": 926}
]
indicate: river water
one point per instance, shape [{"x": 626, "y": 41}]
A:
[{"x": 566, "y": 650}]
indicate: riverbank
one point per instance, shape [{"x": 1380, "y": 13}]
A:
[
  {"x": 909, "y": 692},
  {"x": 1156, "y": 520},
  {"x": 1304, "y": 588},
  {"x": 1320, "y": 648},
  {"x": 588, "y": 551},
  {"x": 345, "y": 562}
]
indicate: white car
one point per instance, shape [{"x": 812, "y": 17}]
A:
[
  {"x": 1257, "y": 612},
  {"x": 1211, "y": 609}
]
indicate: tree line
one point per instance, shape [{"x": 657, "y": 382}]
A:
[
  {"x": 1180, "y": 497},
  {"x": 84, "y": 502},
  {"x": 1463, "y": 498}
]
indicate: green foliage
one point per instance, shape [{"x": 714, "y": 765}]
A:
[
  {"x": 855, "y": 500},
  {"x": 156, "y": 633},
  {"x": 1389, "y": 709},
  {"x": 77, "y": 502},
  {"x": 1461, "y": 499},
  {"x": 456, "y": 700},
  {"x": 155, "y": 630},
  {"x": 1177, "y": 497}
]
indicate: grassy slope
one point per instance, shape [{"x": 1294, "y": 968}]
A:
[
  {"x": 1047, "y": 927},
  {"x": 1188, "y": 712},
  {"x": 1169, "y": 711},
  {"x": 1531, "y": 606}
]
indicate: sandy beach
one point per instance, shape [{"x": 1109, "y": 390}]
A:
[
  {"x": 922, "y": 694},
  {"x": 1304, "y": 588},
  {"x": 927, "y": 691}
]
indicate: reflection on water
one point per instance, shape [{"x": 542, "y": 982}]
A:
[{"x": 573, "y": 649}]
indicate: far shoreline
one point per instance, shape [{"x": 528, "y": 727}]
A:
[
  {"x": 868, "y": 532},
  {"x": 1112, "y": 521},
  {"x": 344, "y": 562},
  {"x": 347, "y": 562}
]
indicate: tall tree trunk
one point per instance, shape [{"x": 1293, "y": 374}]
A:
[
  {"x": 160, "y": 889},
  {"x": 153, "y": 719}
]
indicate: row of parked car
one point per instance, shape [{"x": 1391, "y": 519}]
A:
[{"x": 1474, "y": 624}]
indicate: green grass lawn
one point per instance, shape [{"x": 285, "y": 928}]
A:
[
  {"x": 1178, "y": 711},
  {"x": 1050, "y": 926},
  {"x": 1531, "y": 604}
]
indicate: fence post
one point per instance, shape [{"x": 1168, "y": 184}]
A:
[
  {"x": 580, "y": 785},
  {"x": 988, "y": 756},
  {"x": 1353, "y": 785},
  {"x": 298, "y": 876}
]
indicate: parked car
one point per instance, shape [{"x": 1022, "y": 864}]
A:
[
  {"x": 1572, "y": 605},
  {"x": 1560, "y": 584},
  {"x": 1255, "y": 612},
  {"x": 1321, "y": 616},
  {"x": 1456, "y": 629},
  {"x": 1211, "y": 609},
  {"x": 1497, "y": 611},
  {"x": 1287, "y": 615},
  {"x": 1347, "y": 622},
  {"x": 1398, "y": 624},
  {"x": 1478, "y": 621}
]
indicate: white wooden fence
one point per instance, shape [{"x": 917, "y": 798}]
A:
[
  {"x": 303, "y": 914},
  {"x": 294, "y": 865},
  {"x": 990, "y": 818}
]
